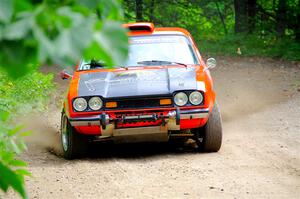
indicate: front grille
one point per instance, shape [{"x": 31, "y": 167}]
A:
[{"x": 139, "y": 103}]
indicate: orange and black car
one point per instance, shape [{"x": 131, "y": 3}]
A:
[{"x": 163, "y": 91}]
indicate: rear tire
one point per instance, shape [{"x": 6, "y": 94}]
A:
[
  {"x": 209, "y": 137},
  {"x": 74, "y": 144}
]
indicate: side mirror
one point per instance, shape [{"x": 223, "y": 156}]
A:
[
  {"x": 211, "y": 63},
  {"x": 65, "y": 75}
]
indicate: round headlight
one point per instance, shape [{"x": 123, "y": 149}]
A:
[
  {"x": 180, "y": 99},
  {"x": 95, "y": 103},
  {"x": 79, "y": 104},
  {"x": 196, "y": 98}
]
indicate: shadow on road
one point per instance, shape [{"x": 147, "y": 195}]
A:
[{"x": 137, "y": 150}]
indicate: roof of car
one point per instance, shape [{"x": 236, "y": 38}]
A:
[{"x": 145, "y": 28}]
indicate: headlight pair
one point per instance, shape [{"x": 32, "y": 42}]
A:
[
  {"x": 94, "y": 103},
  {"x": 195, "y": 98}
]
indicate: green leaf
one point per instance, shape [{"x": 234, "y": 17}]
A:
[
  {"x": 95, "y": 51},
  {"x": 17, "y": 163},
  {"x": 70, "y": 44},
  {"x": 92, "y": 4},
  {"x": 14, "y": 146},
  {"x": 111, "y": 10},
  {"x": 9, "y": 178},
  {"x": 22, "y": 146},
  {"x": 114, "y": 40},
  {"x": 18, "y": 29},
  {"x": 45, "y": 46},
  {"x": 23, "y": 172},
  {"x": 7, "y": 155},
  {"x": 21, "y": 6},
  {"x": 4, "y": 115},
  {"x": 6, "y": 10},
  {"x": 3, "y": 184},
  {"x": 25, "y": 133},
  {"x": 15, "y": 130}
]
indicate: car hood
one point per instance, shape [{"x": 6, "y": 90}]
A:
[{"x": 142, "y": 82}]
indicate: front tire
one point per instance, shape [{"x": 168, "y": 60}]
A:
[
  {"x": 74, "y": 145},
  {"x": 209, "y": 137}
]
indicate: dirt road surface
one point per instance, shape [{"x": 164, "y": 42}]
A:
[{"x": 259, "y": 158}]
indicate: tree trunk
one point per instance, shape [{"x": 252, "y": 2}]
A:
[
  {"x": 251, "y": 15},
  {"x": 139, "y": 10},
  {"x": 221, "y": 17},
  {"x": 151, "y": 11},
  {"x": 241, "y": 23},
  {"x": 297, "y": 27},
  {"x": 280, "y": 18}
]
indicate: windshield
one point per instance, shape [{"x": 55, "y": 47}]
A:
[
  {"x": 154, "y": 50},
  {"x": 166, "y": 48}
]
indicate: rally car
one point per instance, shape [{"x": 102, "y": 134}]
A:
[{"x": 163, "y": 91}]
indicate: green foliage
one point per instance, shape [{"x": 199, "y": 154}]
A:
[
  {"x": 203, "y": 19},
  {"x": 59, "y": 33},
  {"x": 25, "y": 94},
  {"x": 10, "y": 178},
  {"x": 11, "y": 145},
  {"x": 18, "y": 97},
  {"x": 199, "y": 17},
  {"x": 250, "y": 45},
  {"x": 33, "y": 33},
  {"x": 6, "y": 8}
]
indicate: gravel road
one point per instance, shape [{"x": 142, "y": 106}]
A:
[{"x": 260, "y": 156}]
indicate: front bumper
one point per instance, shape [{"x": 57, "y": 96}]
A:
[
  {"x": 104, "y": 119},
  {"x": 194, "y": 113},
  {"x": 139, "y": 127}
]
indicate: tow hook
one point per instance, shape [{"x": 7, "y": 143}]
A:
[
  {"x": 104, "y": 120},
  {"x": 177, "y": 116}
]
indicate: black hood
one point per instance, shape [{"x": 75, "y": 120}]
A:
[{"x": 129, "y": 83}]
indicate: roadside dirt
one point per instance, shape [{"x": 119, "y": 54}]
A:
[{"x": 259, "y": 158}]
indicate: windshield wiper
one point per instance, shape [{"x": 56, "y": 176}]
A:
[
  {"x": 148, "y": 62},
  {"x": 178, "y": 63}
]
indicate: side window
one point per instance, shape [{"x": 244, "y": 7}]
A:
[{"x": 84, "y": 65}]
